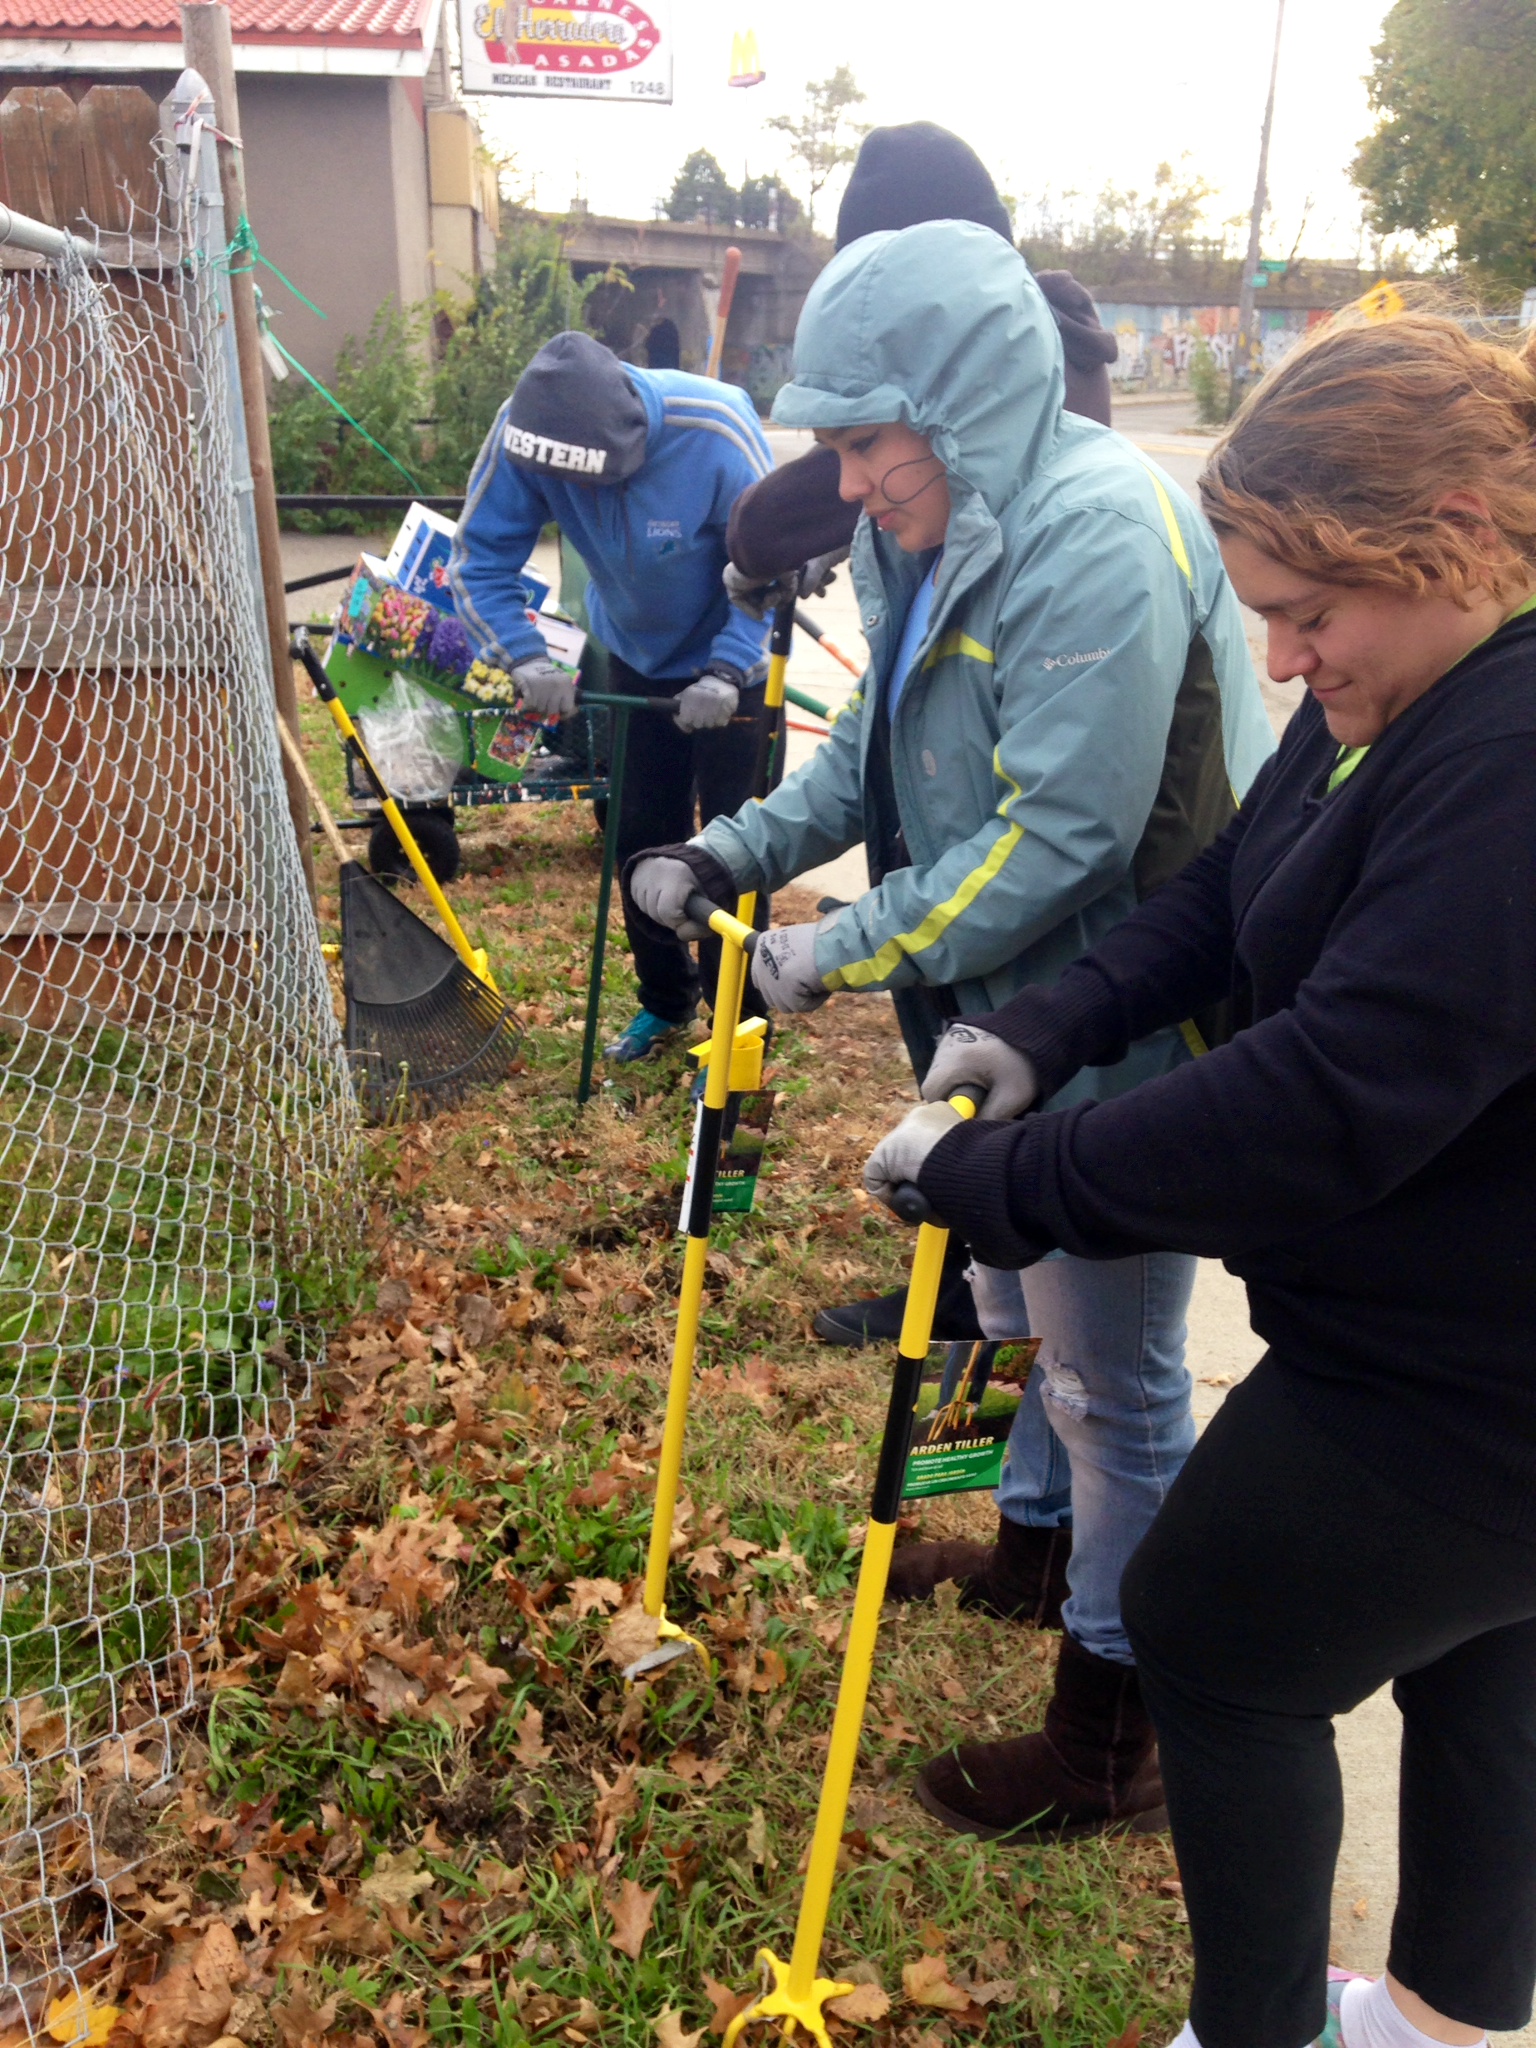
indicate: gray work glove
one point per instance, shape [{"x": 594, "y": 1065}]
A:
[
  {"x": 900, "y": 1154},
  {"x": 784, "y": 967},
  {"x": 545, "y": 688},
  {"x": 967, "y": 1057},
  {"x": 759, "y": 599},
  {"x": 661, "y": 887},
  {"x": 710, "y": 702}
]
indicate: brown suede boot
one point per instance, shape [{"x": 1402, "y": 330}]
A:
[
  {"x": 1091, "y": 1769},
  {"x": 1020, "y": 1577}
]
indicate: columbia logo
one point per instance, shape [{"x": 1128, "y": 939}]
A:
[
  {"x": 554, "y": 454},
  {"x": 1075, "y": 660}
]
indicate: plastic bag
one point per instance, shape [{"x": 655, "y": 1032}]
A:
[{"x": 416, "y": 742}]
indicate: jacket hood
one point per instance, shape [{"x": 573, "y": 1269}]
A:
[
  {"x": 576, "y": 412},
  {"x": 943, "y": 327}
]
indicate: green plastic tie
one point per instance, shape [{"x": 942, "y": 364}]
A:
[
  {"x": 342, "y": 413},
  {"x": 246, "y": 244}
]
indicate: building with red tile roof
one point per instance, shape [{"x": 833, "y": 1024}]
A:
[{"x": 364, "y": 172}]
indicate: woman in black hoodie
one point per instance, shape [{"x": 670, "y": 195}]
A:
[{"x": 1363, "y": 1154}]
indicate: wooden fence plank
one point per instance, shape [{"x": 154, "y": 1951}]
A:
[
  {"x": 119, "y": 127},
  {"x": 40, "y": 143}
]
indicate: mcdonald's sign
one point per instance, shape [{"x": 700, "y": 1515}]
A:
[{"x": 746, "y": 66}]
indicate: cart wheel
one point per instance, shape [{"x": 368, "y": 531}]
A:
[
  {"x": 433, "y": 832},
  {"x": 600, "y": 812}
]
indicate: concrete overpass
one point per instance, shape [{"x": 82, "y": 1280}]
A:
[{"x": 670, "y": 270}]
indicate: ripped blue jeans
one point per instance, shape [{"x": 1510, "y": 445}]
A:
[{"x": 1105, "y": 1423}]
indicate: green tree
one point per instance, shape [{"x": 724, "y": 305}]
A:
[
  {"x": 1455, "y": 152},
  {"x": 769, "y": 203},
  {"x": 526, "y": 298},
  {"x": 426, "y": 381},
  {"x": 702, "y": 191},
  {"x": 824, "y": 139},
  {"x": 1140, "y": 226}
]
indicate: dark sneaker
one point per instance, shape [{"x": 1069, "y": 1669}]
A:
[{"x": 640, "y": 1038}]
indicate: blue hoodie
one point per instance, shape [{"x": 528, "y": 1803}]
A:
[{"x": 654, "y": 543}]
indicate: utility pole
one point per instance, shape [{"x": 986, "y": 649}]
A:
[{"x": 1245, "y": 354}]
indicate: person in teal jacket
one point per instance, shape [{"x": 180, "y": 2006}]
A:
[{"x": 1059, "y": 711}]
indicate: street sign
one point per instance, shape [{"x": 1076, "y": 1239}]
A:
[
  {"x": 579, "y": 49},
  {"x": 1382, "y": 302}
]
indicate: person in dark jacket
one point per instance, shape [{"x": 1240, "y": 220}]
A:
[
  {"x": 902, "y": 176},
  {"x": 797, "y": 516},
  {"x": 1363, "y": 1507}
]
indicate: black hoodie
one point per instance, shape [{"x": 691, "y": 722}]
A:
[{"x": 1363, "y": 1153}]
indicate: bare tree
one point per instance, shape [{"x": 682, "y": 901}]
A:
[{"x": 823, "y": 140}]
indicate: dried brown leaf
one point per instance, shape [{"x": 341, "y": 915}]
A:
[
  {"x": 866, "y": 2005},
  {"x": 726, "y": 2002},
  {"x": 668, "y": 2029},
  {"x": 631, "y": 1634},
  {"x": 394, "y": 1880},
  {"x": 927, "y": 1982},
  {"x": 532, "y": 1749},
  {"x": 593, "y": 1596},
  {"x": 630, "y": 1908},
  {"x": 697, "y": 1770}
]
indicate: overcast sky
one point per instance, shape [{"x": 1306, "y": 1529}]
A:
[{"x": 1066, "y": 96}]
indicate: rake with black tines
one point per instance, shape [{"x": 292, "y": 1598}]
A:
[{"x": 422, "y": 1027}]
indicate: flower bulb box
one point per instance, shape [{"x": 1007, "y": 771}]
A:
[
  {"x": 418, "y": 560},
  {"x": 563, "y": 640}
]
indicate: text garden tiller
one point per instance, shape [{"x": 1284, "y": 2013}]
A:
[{"x": 793, "y": 1993}]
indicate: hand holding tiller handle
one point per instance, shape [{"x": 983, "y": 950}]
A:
[
  {"x": 700, "y": 910},
  {"x": 908, "y": 1201}
]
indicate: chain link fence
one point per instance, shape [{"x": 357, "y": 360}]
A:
[{"x": 177, "y": 1125}]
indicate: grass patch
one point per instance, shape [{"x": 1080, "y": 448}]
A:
[{"x": 417, "y": 1803}]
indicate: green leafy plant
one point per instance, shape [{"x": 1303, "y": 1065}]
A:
[
  {"x": 1208, "y": 385},
  {"x": 426, "y": 381}
]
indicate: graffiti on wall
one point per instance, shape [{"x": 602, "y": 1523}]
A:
[{"x": 1157, "y": 343}]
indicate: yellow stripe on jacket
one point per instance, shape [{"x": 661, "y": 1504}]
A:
[{"x": 865, "y": 973}]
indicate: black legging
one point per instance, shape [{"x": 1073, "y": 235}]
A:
[
  {"x": 667, "y": 774},
  {"x": 1284, "y": 1581}
]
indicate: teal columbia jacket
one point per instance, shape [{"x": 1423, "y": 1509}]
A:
[{"x": 1082, "y": 715}]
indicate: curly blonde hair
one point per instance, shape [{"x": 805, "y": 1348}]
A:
[{"x": 1336, "y": 463}]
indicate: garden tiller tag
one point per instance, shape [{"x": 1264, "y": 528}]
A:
[{"x": 964, "y": 1417}]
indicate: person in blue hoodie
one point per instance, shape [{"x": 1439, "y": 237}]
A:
[{"x": 639, "y": 469}]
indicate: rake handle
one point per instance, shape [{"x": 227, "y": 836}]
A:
[
  {"x": 325, "y": 690},
  {"x": 300, "y": 767}
]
